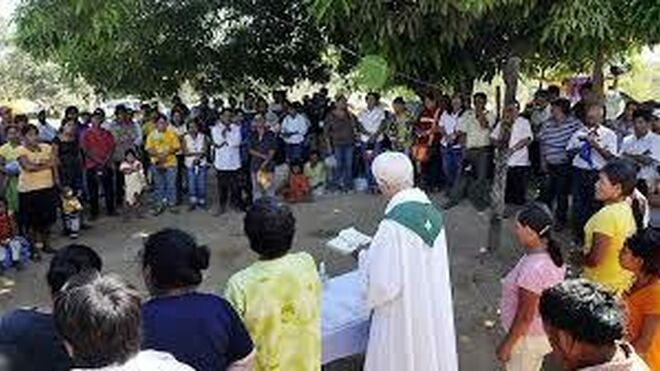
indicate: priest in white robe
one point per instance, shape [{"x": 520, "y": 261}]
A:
[{"x": 406, "y": 270}]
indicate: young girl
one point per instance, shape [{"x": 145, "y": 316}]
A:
[
  {"x": 541, "y": 267},
  {"x": 297, "y": 188},
  {"x": 134, "y": 181},
  {"x": 194, "y": 151},
  {"x": 71, "y": 212},
  {"x": 606, "y": 231},
  {"x": 641, "y": 256}
]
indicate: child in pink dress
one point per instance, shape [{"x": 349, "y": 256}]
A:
[{"x": 541, "y": 267}]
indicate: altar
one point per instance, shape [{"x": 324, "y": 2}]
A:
[{"x": 344, "y": 318}]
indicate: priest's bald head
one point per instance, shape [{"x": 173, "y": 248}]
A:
[{"x": 394, "y": 172}]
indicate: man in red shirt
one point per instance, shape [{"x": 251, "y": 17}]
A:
[{"x": 98, "y": 145}]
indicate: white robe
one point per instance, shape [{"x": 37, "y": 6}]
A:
[{"x": 408, "y": 289}]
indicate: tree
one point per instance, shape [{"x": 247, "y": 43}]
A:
[
  {"x": 153, "y": 46},
  {"x": 456, "y": 41},
  {"x": 22, "y": 78}
]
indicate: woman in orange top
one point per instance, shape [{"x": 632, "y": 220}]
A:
[
  {"x": 641, "y": 256},
  {"x": 297, "y": 189}
]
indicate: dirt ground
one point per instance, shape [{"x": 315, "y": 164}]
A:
[{"x": 475, "y": 274}]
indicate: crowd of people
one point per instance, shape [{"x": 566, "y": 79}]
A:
[{"x": 579, "y": 168}]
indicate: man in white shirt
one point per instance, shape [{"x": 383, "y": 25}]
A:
[
  {"x": 516, "y": 131},
  {"x": 591, "y": 147},
  {"x": 406, "y": 271},
  {"x": 450, "y": 146},
  {"x": 473, "y": 131},
  {"x": 371, "y": 126},
  {"x": 226, "y": 141},
  {"x": 46, "y": 131},
  {"x": 293, "y": 130},
  {"x": 643, "y": 148}
]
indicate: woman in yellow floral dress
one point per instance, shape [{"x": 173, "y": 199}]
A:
[{"x": 279, "y": 296}]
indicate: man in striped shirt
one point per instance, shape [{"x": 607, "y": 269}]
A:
[{"x": 553, "y": 138}]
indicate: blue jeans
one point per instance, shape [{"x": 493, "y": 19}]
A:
[
  {"x": 367, "y": 159},
  {"x": 344, "y": 171},
  {"x": 197, "y": 184},
  {"x": 451, "y": 159},
  {"x": 164, "y": 185},
  {"x": 294, "y": 153}
]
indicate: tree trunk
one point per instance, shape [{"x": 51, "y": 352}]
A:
[
  {"x": 511, "y": 74},
  {"x": 598, "y": 75}
]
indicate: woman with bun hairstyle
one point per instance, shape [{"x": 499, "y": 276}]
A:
[{"x": 202, "y": 330}]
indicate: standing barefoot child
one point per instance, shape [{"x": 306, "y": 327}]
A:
[
  {"x": 541, "y": 267},
  {"x": 134, "y": 181}
]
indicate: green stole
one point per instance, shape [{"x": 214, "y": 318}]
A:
[{"x": 423, "y": 219}]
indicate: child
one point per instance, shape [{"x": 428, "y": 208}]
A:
[
  {"x": 134, "y": 181},
  {"x": 315, "y": 173},
  {"x": 15, "y": 250},
  {"x": 297, "y": 189},
  {"x": 194, "y": 149},
  {"x": 641, "y": 256},
  {"x": 541, "y": 267},
  {"x": 71, "y": 212}
]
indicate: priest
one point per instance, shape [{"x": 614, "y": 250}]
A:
[{"x": 406, "y": 272}]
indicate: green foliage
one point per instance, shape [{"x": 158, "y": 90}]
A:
[
  {"x": 153, "y": 46},
  {"x": 453, "y": 42},
  {"x": 24, "y": 79}
]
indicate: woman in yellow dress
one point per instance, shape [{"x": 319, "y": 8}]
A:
[
  {"x": 279, "y": 296},
  {"x": 607, "y": 231}
]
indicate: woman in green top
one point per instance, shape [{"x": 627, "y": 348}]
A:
[
  {"x": 399, "y": 129},
  {"x": 9, "y": 167},
  {"x": 279, "y": 296}
]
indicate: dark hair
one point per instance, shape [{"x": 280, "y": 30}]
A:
[
  {"x": 623, "y": 173},
  {"x": 542, "y": 94},
  {"x": 130, "y": 151},
  {"x": 10, "y": 127},
  {"x": 174, "y": 259},
  {"x": 481, "y": 95},
  {"x": 644, "y": 114},
  {"x": 374, "y": 95},
  {"x": 538, "y": 218},
  {"x": 71, "y": 110},
  {"x": 583, "y": 309},
  {"x": 225, "y": 110},
  {"x": 586, "y": 86},
  {"x": 554, "y": 91},
  {"x": 631, "y": 103},
  {"x": 21, "y": 118},
  {"x": 645, "y": 245},
  {"x": 270, "y": 228},
  {"x": 120, "y": 108},
  {"x": 70, "y": 261},
  {"x": 98, "y": 112},
  {"x": 99, "y": 316},
  {"x": 563, "y": 104},
  {"x": 28, "y": 128},
  {"x": 399, "y": 100}
]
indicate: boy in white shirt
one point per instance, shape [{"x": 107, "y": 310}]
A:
[
  {"x": 643, "y": 148},
  {"x": 517, "y": 132}
]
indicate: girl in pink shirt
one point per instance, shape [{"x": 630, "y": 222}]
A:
[{"x": 541, "y": 267}]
